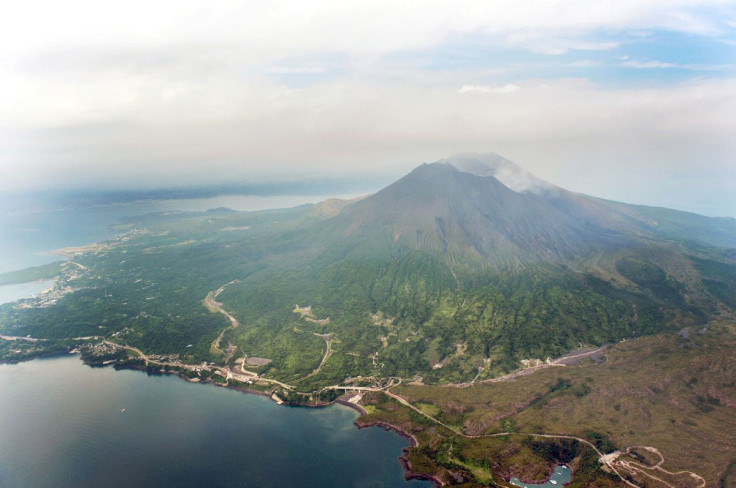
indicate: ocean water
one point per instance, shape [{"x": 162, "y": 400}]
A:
[{"x": 62, "y": 424}]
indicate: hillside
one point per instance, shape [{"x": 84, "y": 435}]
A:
[
  {"x": 668, "y": 399},
  {"x": 439, "y": 208}
]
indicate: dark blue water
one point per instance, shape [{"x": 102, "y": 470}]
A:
[{"x": 61, "y": 425}]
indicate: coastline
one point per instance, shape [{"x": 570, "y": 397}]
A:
[
  {"x": 403, "y": 459},
  {"x": 41, "y": 355},
  {"x": 412, "y": 475},
  {"x": 409, "y": 474},
  {"x": 354, "y": 406},
  {"x": 380, "y": 423}
]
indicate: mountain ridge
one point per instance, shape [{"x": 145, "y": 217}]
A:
[{"x": 582, "y": 215}]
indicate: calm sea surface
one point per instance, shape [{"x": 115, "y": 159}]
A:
[{"x": 62, "y": 425}]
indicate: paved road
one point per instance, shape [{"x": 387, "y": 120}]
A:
[
  {"x": 550, "y": 363},
  {"x": 214, "y": 306}
]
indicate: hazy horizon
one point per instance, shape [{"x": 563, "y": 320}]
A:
[{"x": 292, "y": 191}]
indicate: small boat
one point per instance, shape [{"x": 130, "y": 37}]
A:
[
  {"x": 554, "y": 482},
  {"x": 123, "y": 410}
]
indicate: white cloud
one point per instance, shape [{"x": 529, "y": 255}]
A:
[
  {"x": 639, "y": 33},
  {"x": 557, "y": 47},
  {"x": 295, "y": 70},
  {"x": 140, "y": 90},
  {"x": 510, "y": 88},
  {"x": 584, "y": 63},
  {"x": 649, "y": 64},
  {"x": 236, "y": 128},
  {"x": 684, "y": 21},
  {"x": 687, "y": 66},
  {"x": 595, "y": 46},
  {"x": 551, "y": 50},
  {"x": 273, "y": 29}
]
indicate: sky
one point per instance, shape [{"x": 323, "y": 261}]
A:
[{"x": 633, "y": 100}]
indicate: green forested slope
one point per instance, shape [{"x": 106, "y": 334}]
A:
[{"x": 438, "y": 275}]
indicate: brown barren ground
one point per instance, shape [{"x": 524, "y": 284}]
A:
[{"x": 673, "y": 393}]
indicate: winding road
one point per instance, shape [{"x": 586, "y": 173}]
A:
[
  {"x": 328, "y": 353},
  {"x": 214, "y": 306},
  {"x": 610, "y": 460},
  {"x": 635, "y": 467},
  {"x": 406, "y": 403}
]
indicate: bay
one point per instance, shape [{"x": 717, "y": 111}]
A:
[{"x": 62, "y": 424}]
